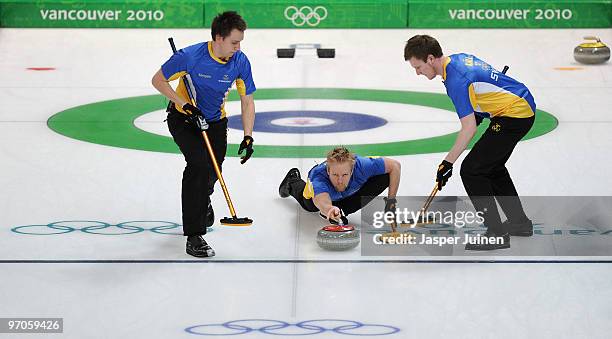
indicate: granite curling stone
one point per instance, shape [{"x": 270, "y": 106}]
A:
[
  {"x": 592, "y": 52},
  {"x": 338, "y": 238}
]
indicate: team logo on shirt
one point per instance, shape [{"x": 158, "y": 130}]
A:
[
  {"x": 496, "y": 127},
  {"x": 225, "y": 78},
  {"x": 205, "y": 76},
  {"x": 469, "y": 61}
]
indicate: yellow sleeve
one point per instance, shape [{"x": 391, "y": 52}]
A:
[
  {"x": 240, "y": 86},
  {"x": 176, "y": 76}
]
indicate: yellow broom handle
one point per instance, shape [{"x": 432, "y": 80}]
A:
[
  {"x": 430, "y": 198},
  {"x": 218, "y": 172}
]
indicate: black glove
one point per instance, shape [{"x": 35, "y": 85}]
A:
[
  {"x": 445, "y": 170},
  {"x": 195, "y": 117},
  {"x": 246, "y": 144},
  {"x": 390, "y": 206}
]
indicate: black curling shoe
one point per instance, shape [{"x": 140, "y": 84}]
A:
[
  {"x": 197, "y": 247},
  {"x": 283, "y": 189}
]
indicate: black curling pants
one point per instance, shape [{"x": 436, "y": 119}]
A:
[
  {"x": 485, "y": 176},
  {"x": 199, "y": 176}
]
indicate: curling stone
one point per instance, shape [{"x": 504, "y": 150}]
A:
[
  {"x": 338, "y": 238},
  {"x": 592, "y": 52}
]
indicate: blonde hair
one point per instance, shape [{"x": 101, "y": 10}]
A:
[{"x": 340, "y": 154}]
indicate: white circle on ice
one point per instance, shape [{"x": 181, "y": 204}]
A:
[
  {"x": 302, "y": 122},
  {"x": 404, "y": 122}
]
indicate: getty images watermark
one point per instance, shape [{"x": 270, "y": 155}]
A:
[
  {"x": 562, "y": 226},
  {"x": 407, "y": 218}
]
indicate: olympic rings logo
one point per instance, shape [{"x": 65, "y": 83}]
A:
[
  {"x": 308, "y": 327},
  {"x": 305, "y": 15},
  {"x": 100, "y": 227}
]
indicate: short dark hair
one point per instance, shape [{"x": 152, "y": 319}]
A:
[
  {"x": 421, "y": 46},
  {"x": 225, "y": 22}
]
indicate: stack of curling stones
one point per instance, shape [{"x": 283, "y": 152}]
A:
[
  {"x": 338, "y": 237},
  {"x": 592, "y": 52}
]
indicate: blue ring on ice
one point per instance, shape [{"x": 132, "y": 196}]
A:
[{"x": 306, "y": 121}]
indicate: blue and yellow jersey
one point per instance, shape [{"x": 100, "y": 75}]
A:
[
  {"x": 365, "y": 168},
  {"x": 476, "y": 87},
  {"x": 212, "y": 77}
]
